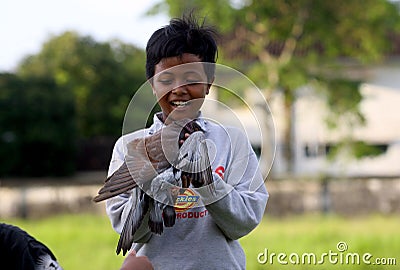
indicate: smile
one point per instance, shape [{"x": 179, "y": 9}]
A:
[{"x": 180, "y": 103}]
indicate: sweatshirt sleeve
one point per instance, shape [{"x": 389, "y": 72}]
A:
[
  {"x": 239, "y": 202},
  {"x": 118, "y": 207}
]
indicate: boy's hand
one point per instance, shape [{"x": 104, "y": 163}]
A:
[
  {"x": 133, "y": 262},
  {"x": 163, "y": 146},
  {"x": 151, "y": 155},
  {"x": 183, "y": 138}
]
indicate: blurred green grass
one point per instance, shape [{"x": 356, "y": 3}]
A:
[
  {"x": 83, "y": 241},
  {"x": 87, "y": 241},
  {"x": 317, "y": 234}
]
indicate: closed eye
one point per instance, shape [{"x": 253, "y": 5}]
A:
[{"x": 165, "y": 82}]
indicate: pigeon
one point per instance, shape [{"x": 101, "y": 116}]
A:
[{"x": 156, "y": 170}]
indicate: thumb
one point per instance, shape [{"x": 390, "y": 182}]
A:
[{"x": 132, "y": 253}]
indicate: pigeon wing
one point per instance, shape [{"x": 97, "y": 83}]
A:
[
  {"x": 133, "y": 222},
  {"x": 194, "y": 161},
  {"x": 119, "y": 182},
  {"x": 137, "y": 168}
]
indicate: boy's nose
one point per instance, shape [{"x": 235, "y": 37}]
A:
[{"x": 180, "y": 89}]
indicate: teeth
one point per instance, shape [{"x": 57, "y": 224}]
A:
[{"x": 180, "y": 103}]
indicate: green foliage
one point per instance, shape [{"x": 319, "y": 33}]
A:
[
  {"x": 37, "y": 127},
  {"x": 284, "y": 45},
  {"x": 357, "y": 149},
  {"x": 330, "y": 28},
  {"x": 343, "y": 97},
  {"x": 101, "y": 76},
  {"x": 362, "y": 149},
  {"x": 75, "y": 88}
]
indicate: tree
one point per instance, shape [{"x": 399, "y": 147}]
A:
[
  {"x": 284, "y": 45},
  {"x": 37, "y": 127},
  {"x": 101, "y": 76},
  {"x": 71, "y": 97}
]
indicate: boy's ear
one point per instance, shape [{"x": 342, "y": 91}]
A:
[{"x": 152, "y": 86}]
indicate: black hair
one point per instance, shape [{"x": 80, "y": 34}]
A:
[{"x": 182, "y": 35}]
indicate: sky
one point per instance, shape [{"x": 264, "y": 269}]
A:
[{"x": 25, "y": 24}]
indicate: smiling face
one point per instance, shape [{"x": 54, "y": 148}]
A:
[{"x": 180, "y": 85}]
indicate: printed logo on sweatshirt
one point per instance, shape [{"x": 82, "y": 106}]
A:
[
  {"x": 186, "y": 200},
  {"x": 199, "y": 214},
  {"x": 220, "y": 171}
]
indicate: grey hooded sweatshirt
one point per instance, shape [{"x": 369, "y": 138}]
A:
[{"x": 208, "y": 225}]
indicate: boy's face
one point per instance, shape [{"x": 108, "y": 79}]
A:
[{"x": 180, "y": 85}]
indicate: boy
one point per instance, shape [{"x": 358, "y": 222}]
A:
[{"x": 180, "y": 67}]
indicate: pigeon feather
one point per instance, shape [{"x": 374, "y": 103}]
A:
[{"x": 154, "y": 163}]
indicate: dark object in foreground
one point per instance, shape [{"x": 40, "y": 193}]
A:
[{"x": 20, "y": 251}]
